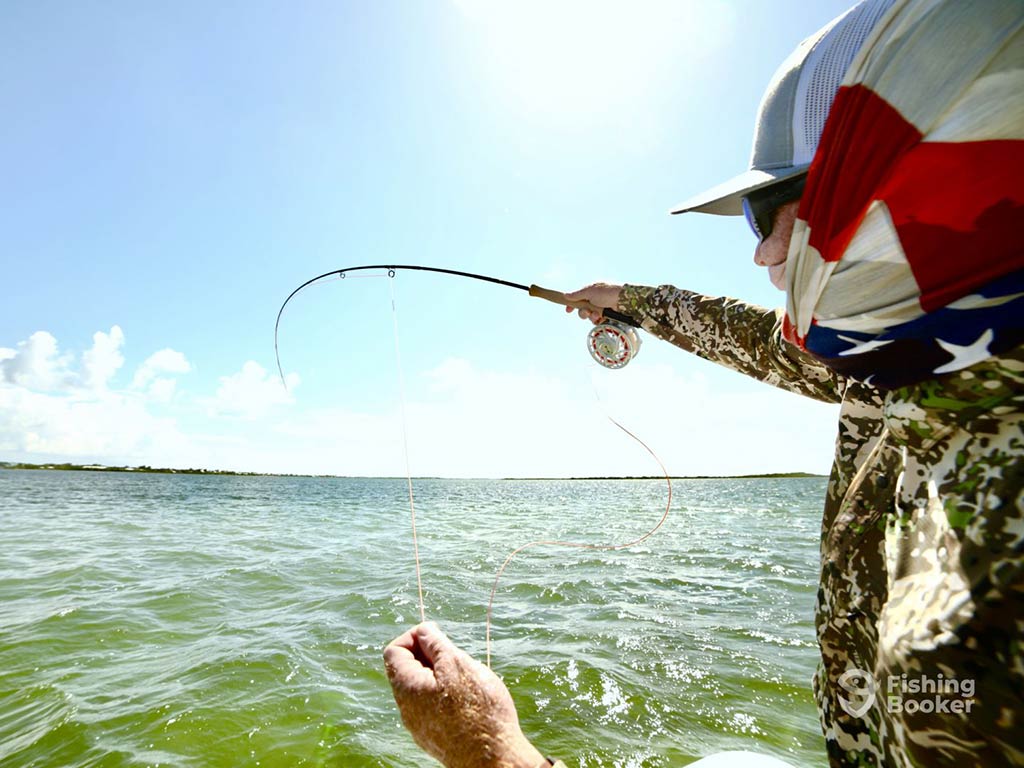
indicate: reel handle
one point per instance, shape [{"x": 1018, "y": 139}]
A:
[{"x": 557, "y": 297}]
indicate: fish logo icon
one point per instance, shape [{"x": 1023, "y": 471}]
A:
[{"x": 861, "y": 686}]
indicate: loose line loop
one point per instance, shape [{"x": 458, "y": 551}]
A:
[{"x": 580, "y": 545}]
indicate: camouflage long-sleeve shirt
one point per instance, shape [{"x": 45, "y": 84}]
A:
[{"x": 919, "y": 610}]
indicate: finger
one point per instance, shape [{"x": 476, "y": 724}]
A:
[
  {"x": 404, "y": 664},
  {"x": 405, "y": 640},
  {"x": 404, "y": 650},
  {"x": 409, "y": 676},
  {"x": 397, "y": 657},
  {"x": 434, "y": 643},
  {"x": 582, "y": 293}
]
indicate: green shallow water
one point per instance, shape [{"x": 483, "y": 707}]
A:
[{"x": 180, "y": 620}]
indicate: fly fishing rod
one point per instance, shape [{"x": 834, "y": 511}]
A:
[{"x": 613, "y": 342}]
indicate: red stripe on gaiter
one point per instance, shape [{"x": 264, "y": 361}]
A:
[
  {"x": 957, "y": 207},
  {"x": 863, "y": 138}
]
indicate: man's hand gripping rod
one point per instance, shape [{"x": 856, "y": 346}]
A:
[{"x": 557, "y": 297}]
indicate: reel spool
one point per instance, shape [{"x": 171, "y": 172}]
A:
[{"x": 613, "y": 344}]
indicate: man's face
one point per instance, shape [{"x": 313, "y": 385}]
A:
[{"x": 772, "y": 251}]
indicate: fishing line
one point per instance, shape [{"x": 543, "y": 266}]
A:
[
  {"x": 405, "y": 448},
  {"x": 580, "y": 545}
]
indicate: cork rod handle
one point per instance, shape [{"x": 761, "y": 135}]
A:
[{"x": 557, "y": 297}]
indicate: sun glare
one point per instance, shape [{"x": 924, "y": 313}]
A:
[{"x": 570, "y": 62}]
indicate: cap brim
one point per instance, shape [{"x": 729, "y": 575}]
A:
[{"x": 726, "y": 198}]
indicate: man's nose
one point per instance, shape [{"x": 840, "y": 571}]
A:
[{"x": 760, "y": 255}]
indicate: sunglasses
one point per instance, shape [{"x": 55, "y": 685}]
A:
[{"x": 759, "y": 207}]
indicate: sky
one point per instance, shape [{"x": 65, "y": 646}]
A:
[{"x": 173, "y": 170}]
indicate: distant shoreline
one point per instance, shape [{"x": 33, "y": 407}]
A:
[
  {"x": 145, "y": 469},
  {"x": 763, "y": 476}
]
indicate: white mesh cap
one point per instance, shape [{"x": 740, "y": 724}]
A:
[{"x": 794, "y": 108}]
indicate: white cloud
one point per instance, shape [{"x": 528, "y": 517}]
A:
[
  {"x": 466, "y": 421},
  {"x": 38, "y": 365},
  {"x": 702, "y": 428},
  {"x": 251, "y": 391},
  {"x": 164, "y": 361},
  {"x": 162, "y": 390},
  {"x": 147, "y": 376},
  {"x": 107, "y": 426},
  {"x": 35, "y": 364},
  {"x": 483, "y": 423},
  {"x": 51, "y": 410},
  {"x": 103, "y": 360},
  {"x": 462, "y": 420}
]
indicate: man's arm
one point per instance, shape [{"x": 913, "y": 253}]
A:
[{"x": 741, "y": 336}]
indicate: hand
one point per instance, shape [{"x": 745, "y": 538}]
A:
[
  {"x": 456, "y": 709},
  {"x": 603, "y": 295}
]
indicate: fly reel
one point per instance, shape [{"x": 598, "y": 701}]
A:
[{"x": 613, "y": 344}]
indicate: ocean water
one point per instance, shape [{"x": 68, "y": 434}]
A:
[{"x": 179, "y": 620}]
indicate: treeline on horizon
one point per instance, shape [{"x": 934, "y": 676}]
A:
[
  {"x": 761, "y": 476},
  {"x": 145, "y": 468}
]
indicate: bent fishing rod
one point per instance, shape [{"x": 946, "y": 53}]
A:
[{"x": 613, "y": 342}]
